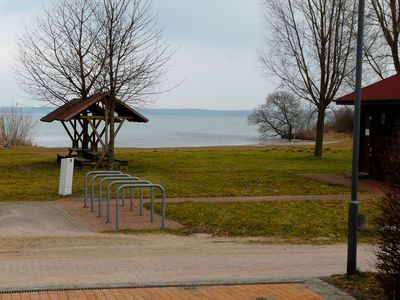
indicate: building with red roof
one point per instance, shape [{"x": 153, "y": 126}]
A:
[{"x": 380, "y": 124}]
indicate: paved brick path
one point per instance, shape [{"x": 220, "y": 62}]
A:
[
  {"x": 105, "y": 260},
  {"x": 240, "y": 292},
  {"x": 36, "y": 216},
  {"x": 272, "y": 198},
  {"x": 128, "y": 219},
  {"x": 42, "y": 247}
]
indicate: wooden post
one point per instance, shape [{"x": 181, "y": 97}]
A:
[{"x": 85, "y": 129}]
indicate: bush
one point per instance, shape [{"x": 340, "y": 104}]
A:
[
  {"x": 308, "y": 134},
  {"x": 16, "y": 128},
  {"x": 388, "y": 223},
  {"x": 341, "y": 121},
  {"x": 388, "y": 244}
]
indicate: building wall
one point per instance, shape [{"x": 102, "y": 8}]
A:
[{"x": 380, "y": 136}]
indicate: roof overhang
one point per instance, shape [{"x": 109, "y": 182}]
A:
[
  {"x": 76, "y": 107},
  {"x": 386, "y": 91}
]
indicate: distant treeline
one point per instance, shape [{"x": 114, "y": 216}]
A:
[{"x": 155, "y": 111}]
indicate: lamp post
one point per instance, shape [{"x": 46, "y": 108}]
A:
[{"x": 353, "y": 208}]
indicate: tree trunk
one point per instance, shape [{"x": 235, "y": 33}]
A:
[
  {"x": 85, "y": 128},
  {"x": 396, "y": 59},
  {"x": 319, "y": 140},
  {"x": 290, "y": 133},
  {"x": 85, "y": 122},
  {"x": 112, "y": 134}
]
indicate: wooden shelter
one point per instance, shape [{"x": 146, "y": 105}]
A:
[
  {"x": 380, "y": 124},
  {"x": 87, "y": 124}
]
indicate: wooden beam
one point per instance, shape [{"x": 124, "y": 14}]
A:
[
  {"x": 97, "y": 134},
  {"x": 102, "y": 118},
  {"x": 102, "y": 132},
  {"x": 94, "y": 140},
  {"x": 93, "y": 117},
  {"x": 80, "y": 122},
  {"x": 80, "y": 136},
  {"x": 101, "y": 159},
  {"x": 74, "y": 141},
  {"x": 67, "y": 130},
  {"x": 119, "y": 127}
]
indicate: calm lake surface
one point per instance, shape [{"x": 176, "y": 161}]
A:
[{"x": 166, "y": 128}]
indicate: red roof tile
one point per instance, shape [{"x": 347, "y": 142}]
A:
[{"x": 386, "y": 90}]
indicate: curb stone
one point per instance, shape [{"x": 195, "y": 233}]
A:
[{"x": 329, "y": 292}]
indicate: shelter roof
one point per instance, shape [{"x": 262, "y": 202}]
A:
[
  {"x": 384, "y": 91},
  {"x": 75, "y": 107}
]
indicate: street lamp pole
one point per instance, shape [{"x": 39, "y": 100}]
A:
[{"x": 353, "y": 208}]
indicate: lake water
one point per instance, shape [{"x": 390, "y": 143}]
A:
[{"x": 166, "y": 128}]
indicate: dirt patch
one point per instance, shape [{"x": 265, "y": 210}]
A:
[{"x": 368, "y": 185}]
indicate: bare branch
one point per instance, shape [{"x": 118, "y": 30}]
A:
[{"x": 311, "y": 50}]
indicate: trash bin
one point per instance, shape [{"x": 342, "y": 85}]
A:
[{"x": 66, "y": 176}]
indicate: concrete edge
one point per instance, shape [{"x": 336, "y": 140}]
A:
[{"x": 68, "y": 216}]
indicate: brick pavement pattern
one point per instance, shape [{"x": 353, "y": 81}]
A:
[
  {"x": 128, "y": 219},
  {"x": 92, "y": 260},
  {"x": 239, "y": 292}
]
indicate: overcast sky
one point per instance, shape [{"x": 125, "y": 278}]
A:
[{"x": 217, "y": 41}]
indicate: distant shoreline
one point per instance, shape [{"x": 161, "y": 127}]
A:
[{"x": 297, "y": 143}]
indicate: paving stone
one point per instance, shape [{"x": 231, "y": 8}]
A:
[
  {"x": 128, "y": 219},
  {"x": 239, "y": 292},
  {"x": 36, "y": 216},
  {"x": 326, "y": 290},
  {"x": 43, "y": 247},
  {"x": 107, "y": 260}
]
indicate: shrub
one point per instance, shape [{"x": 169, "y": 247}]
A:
[
  {"x": 388, "y": 244},
  {"x": 16, "y": 128},
  {"x": 342, "y": 121},
  {"x": 308, "y": 134},
  {"x": 388, "y": 222}
]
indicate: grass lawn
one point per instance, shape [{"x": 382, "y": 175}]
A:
[
  {"x": 362, "y": 286},
  {"x": 295, "y": 221},
  {"x": 32, "y": 173}
]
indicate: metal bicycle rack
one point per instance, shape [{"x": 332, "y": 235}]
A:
[
  {"x": 121, "y": 177},
  {"x": 94, "y": 183},
  {"x": 85, "y": 182},
  {"x": 152, "y": 186},
  {"x": 124, "y": 181}
]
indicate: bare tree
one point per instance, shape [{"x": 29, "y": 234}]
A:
[
  {"x": 60, "y": 57},
  {"x": 137, "y": 58},
  {"x": 81, "y": 47},
  {"x": 279, "y": 115},
  {"x": 382, "y": 42},
  {"x": 311, "y": 50}
]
